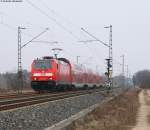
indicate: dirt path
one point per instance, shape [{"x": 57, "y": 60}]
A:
[{"x": 144, "y": 111}]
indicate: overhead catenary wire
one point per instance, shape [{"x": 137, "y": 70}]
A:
[
  {"x": 62, "y": 17},
  {"x": 95, "y": 37},
  {"x": 51, "y": 18},
  {"x": 69, "y": 21},
  {"x": 56, "y": 21},
  {"x": 59, "y": 24},
  {"x": 10, "y": 27},
  {"x": 55, "y": 42},
  {"x": 14, "y": 29},
  {"x": 127, "y": 70},
  {"x": 29, "y": 35},
  {"x": 2, "y": 14}
]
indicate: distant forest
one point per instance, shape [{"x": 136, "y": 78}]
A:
[
  {"x": 142, "y": 79},
  {"x": 9, "y": 81}
]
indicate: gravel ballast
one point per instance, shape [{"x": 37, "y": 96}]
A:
[{"x": 38, "y": 117}]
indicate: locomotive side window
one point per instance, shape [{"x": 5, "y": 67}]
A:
[{"x": 43, "y": 64}]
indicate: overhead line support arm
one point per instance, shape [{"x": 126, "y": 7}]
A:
[
  {"x": 34, "y": 38},
  {"x": 94, "y": 37}
]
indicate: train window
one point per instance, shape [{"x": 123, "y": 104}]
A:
[{"x": 43, "y": 64}]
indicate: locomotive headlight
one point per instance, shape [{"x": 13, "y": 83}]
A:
[
  {"x": 49, "y": 74},
  {"x": 36, "y": 74}
]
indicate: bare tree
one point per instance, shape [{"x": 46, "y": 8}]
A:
[
  {"x": 9, "y": 81},
  {"x": 142, "y": 79}
]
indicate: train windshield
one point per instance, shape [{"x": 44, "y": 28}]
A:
[{"x": 43, "y": 64}]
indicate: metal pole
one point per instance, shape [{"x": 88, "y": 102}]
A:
[
  {"x": 123, "y": 65},
  {"x": 111, "y": 55},
  {"x": 19, "y": 49},
  {"x": 127, "y": 76},
  {"x": 127, "y": 71},
  {"x": 110, "y": 50},
  {"x": 20, "y": 73},
  {"x": 123, "y": 69},
  {"x": 108, "y": 74},
  {"x": 96, "y": 68},
  {"x": 78, "y": 59},
  {"x": 20, "y": 78}
]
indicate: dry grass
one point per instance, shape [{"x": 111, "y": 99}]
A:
[
  {"x": 147, "y": 100},
  {"x": 117, "y": 114}
]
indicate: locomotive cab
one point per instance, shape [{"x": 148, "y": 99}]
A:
[
  {"x": 43, "y": 74},
  {"x": 50, "y": 73}
]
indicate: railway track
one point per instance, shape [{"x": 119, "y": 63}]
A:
[
  {"x": 16, "y": 95},
  {"x": 37, "y": 99}
]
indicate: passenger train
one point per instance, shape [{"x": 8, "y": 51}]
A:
[{"x": 49, "y": 73}]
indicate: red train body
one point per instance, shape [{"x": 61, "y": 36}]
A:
[{"x": 50, "y": 73}]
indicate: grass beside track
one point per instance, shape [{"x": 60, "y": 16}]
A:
[{"x": 117, "y": 114}]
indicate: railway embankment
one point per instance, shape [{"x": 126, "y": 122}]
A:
[
  {"x": 119, "y": 113},
  {"x": 41, "y": 116}
]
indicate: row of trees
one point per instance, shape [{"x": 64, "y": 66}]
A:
[
  {"x": 139, "y": 79},
  {"x": 142, "y": 79},
  {"x": 122, "y": 81},
  {"x": 9, "y": 81}
]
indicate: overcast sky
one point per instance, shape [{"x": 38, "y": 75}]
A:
[{"x": 64, "y": 18}]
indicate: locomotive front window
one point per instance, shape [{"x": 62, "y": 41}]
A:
[{"x": 42, "y": 64}]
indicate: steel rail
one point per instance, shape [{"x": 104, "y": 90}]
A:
[
  {"x": 12, "y": 104},
  {"x": 34, "y": 97},
  {"x": 17, "y": 95},
  {"x": 10, "y": 98},
  {"x": 22, "y": 95}
]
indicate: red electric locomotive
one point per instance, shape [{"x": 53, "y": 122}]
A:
[{"x": 50, "y": 73}]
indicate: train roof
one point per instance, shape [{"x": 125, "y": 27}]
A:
[
  {"x": 51, "y": 57},
  {"x": 64, "y": 60}
]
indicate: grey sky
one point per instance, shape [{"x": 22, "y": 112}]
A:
[{"x": 131, "y": 28}]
